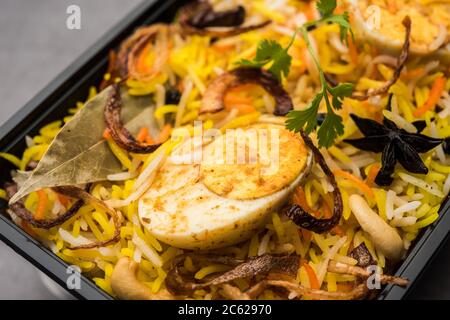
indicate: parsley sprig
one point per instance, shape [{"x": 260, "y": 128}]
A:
[{"x": 271, "y": 53}]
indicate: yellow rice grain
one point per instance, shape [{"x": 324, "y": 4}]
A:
[{"x": 205, "y": 271}]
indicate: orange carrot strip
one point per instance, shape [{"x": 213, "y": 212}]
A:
[
  {"x": 327, "y": 214},
  {"x": 306, "y": 234},
  {"x": 353, "y": 51},
  {"x": 25, "y": 226},
  {"x": 363, "y": 186},
  {"x": 223, "y": 48},
  {"x": 326, "y": 210},
  {"x": 141, "y": 64},
  {"x": 63, "y": 200},
  {"x": 164, "y": 134},
  {"x": 313, "y": 281},
  {"x": 338, "y": 230},
  {"x": 309, "y": 13},
  {"x": 435, "y": 93},
  {"x": 374, "y": 169},
  {"x": 233, "y": 98},
  {"x": 106, "y": 134},
  {"x": 300, "y": 199},
  {"x": 142, "y": 135},
  {"x": 345, "y": 287},
  {"x": 242, "y": 108},
  {"x": 149, "y": 140},
  {"x": 412, "y": 74},
  {"x": 42, "y": 205}
]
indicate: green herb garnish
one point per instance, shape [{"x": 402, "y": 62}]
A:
[{"x": 271, "y": 53}]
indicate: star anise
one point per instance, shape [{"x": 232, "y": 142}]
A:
[{"x": 395, "y": 144}]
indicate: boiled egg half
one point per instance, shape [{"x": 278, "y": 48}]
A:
[
  {"x": 228, "y": 195},
  {"x": 380, "y": 22}
]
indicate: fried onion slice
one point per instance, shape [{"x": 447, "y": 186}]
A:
[
  {"x": 213, "y": 99},
  {"x": 339, "y": 267},
  {"x": 118, "y": 132},
  {"x": 158, "y": 34},
  {"x": 362, "y": 255},
  {"x": 261, "y": 265},
  {"x": 300, "y": 216},
  {"x": 123, "y": 64},
  {"x": 200, "y": 18},
  {"x": 19, "y": 209}
]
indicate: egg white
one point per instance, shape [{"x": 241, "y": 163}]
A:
[{"x": 181, "y": 211}]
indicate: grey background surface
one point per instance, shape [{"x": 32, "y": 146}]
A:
[{"x": 35, "y": 46}]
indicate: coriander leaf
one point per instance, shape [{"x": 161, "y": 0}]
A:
[
  {"x": 339, "y": 93},
  {"x": 297, "y": 119},
  {"x": 326, "y": 7},
  {"x": 270, "y": 51},
  {"x": 343, "y": 20},
  {"x": 331, "y": 128},
  {"x": 252, "y": 63}
]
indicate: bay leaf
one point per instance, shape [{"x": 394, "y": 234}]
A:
[{"x": 79, "y": 154}]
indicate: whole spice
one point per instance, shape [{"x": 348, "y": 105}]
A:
[{"x": 395, "y": 144}]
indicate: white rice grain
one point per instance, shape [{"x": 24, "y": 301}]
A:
[
  {"x": 390, "y": 196},
  {"x": 147, "y": 251},
  {"x": 410, "y": 206}
]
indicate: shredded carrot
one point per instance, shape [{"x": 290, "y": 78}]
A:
[
  {"x": 412, "y": 74},
  {"x": 353, "y": 51},
  {"x": 142, "y": 135},
  {"x": 180, "y": 86},
  {"x": 309, "y": 13},
  {"x": 338, "y": 231},
  {"x": 242, "y": 108},
  {"x": 327, "y": 214},
  {"x": 234, "y": 98},
  {"x": 374, "y": 169},
  {"x": 435, "y": 93},
  {"x": 345, "y": 287},
  {"x": 164, "y": 134},
  {"x": 361, "y": 184},
  {"x": 63, "y": 200},
  {"x": 326, "y": 210},
  {"x": 300, "y": 199},
  {"x": 42, "y": 205},
  {"x": 339, "y": 10},
  {"x": 306, "y": 234},
  {"x": 223, "y": 48},
  {"x": 25, "y": 226},
  {"x": 149, "y": 140},
  {"x": 313, "y": 281},
  {"x": 141, "y": 64},
  {"x": 106, "y": 134}
]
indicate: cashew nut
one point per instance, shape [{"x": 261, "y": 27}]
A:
[
  {"x": 126, "y": 286},
  {"x": 385, "y": 237}
]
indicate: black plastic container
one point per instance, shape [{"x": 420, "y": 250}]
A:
[{"x": 71, "y": 86}]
